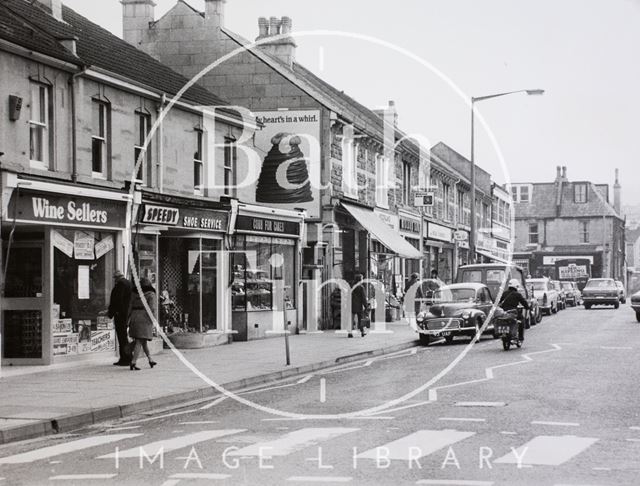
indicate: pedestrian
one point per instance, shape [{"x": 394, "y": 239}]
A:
[
  {"x": 414, "y": 281},
  {"x": 119, "y": 303},
  {"x": 358, "y": 305},
  {"x": 140, "y": 323}
]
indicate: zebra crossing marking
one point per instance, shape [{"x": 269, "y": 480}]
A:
[
  {"x": 292, "y": 442},
  {"x": 169, "y": 445},
  {"x": 548, "y": 450},
  {"x": 416, "y": 445},
  {"x": 59, "y": 449}
]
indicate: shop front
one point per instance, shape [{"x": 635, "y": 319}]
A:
[
  {"x": 265, "y": 271},
  {"x": 179, "y": 246},
  {"x": 61, "y": 245},
  {"x": 438, "y": 251},
  {"x": 411, "y": 229}
]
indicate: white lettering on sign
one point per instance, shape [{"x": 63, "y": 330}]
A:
[
  {"x": 42, "y": 208},
  {"x": 161, "y": 215}
]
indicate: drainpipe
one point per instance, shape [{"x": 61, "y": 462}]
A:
[
  {"x": 72, "y": 101},
  {"x": 160, "y": 164}
]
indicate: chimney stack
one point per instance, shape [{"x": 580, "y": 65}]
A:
[
  {"x": 389, "y": 113},
  {"x": 136, "y": 17},
  {"x": 558, "y": 174},
  {"x": 617, "y": 194},
  {"x": 214, "y": 13},
  {"x": 282, "y": 48},
  {"x": 564, "y": 173},
  {"x": 53, "y": 6}
]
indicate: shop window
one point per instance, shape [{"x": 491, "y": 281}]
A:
[
  {"x": 142, "y": 158},
  {"x": 22, "y": 334},
  {"x": 40, "y": 126},
  {"x": 263, "y": 273},
  {"x": 83, "y": 266},
  {"x": 198, "y": 172},
  {"x": 230, "y": 164},
  {"x": 23, "y": 272},
  {"x": 100, "y": 138}
]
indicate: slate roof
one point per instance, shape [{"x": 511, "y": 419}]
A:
[
  {"x": 462, "y": 165},
  {"x": 34, "y": 28}
]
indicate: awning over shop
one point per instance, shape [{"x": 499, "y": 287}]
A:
[
  {"x": 389, "y": 238},
  {"x": 491, "y": 256}
]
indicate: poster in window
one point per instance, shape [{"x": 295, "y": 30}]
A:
[
  {"x": 65, "y": 344},
  {"x": 62, "y": 326},
  {"x": 83, "y": 245},
  {"x": 104, "y": 323},
  {"x": 103, "y": 247},
  {"x": 83, "y": 282},
  {"x": 102, "y": 341},
  {"x": 62, "y": 244}
]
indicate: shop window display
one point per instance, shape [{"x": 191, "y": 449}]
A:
[
  {"x": 83, "y": 266},
  {"x": 261, "y": 266}
]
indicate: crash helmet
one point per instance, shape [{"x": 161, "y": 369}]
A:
[{"x": 514, "y": 284}]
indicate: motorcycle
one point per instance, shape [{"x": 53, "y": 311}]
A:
[{"x": 506, "y": 328}]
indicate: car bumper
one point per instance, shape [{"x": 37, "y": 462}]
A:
[{"x": 600, "y": 300}]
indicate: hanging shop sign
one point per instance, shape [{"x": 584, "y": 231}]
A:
[
  {"x": 200, "y": 219},
  {"x": 251, "y": 224},
  {"x": 61, "y": 209}
]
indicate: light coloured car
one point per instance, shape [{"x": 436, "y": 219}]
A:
[
  {"x": 622, "y": 292},
  {"x": 572, "y": 293},
  {"x": 545, "y": 293},
  {"x": 562, "y": 296},
  {"x": 601, "y": 291}
]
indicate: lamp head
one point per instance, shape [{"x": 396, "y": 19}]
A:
[{"x": 535, "y": 92}]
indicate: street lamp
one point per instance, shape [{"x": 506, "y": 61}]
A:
[{"x": 474, "y": 100}]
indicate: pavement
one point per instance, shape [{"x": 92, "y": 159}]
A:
[{"x": 37, "y": 401}]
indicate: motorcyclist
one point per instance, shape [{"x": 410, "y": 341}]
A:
[{"x": 511, "y": 298}]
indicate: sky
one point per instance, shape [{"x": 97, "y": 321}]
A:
[{"x": 431, "y": 56}]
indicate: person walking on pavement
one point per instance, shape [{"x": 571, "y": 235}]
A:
[
  {"x": 358, "y": 305},
  {"x": 140, "y": 323},
  {"x": 414, "y": 281},
  {"x": 119, "y": 303}
]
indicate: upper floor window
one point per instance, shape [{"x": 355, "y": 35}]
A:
[
  {"x": 446, "y": 208},
  {"x": 198, "y": 171},
  {"x": 521, "y": 193},
  {"x": 533, "y": 234},
  {"x": 584, "y": 231},
  {"x": 460, "y": 206},
  {"x": 580, "y": 193},
  {"x": 40, "y": 126},
  {"x": 382, "y": 184},
  {"x": 349, "y": 163},
  {"x": 406, "y": 183},
  {"x": 99, "y": 138},
  {"x": 142, "y": 154},
  {"x": 230, "y": 163}
]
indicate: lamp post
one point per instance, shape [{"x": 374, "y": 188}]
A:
[{"x": 474, "y": 100}]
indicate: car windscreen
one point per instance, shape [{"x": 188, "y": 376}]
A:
[
  {"x": 567, "y": 285},
  {"x": 472, "y": 276},
  {"x": 538, "y": 285},
  {"x": 454, "y": 295},
  {"x": 599, "y": 284},
  {"x": 495, "y": 276}
]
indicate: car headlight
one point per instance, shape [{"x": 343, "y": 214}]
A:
[{"x": 466, "y": 315}]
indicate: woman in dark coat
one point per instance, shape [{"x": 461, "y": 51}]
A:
[
  {"x": 358, "y": 304},
  {"x": 140, "y": 323}
]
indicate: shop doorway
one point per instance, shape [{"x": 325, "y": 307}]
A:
[{"x": 23, "y": 304}]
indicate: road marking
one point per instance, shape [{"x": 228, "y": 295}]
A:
[
  {"x": 602, "y": 469},
  {"x": 81, "y": 477},
  {"x": 118, "y": 429},
  {"x": 633, "y": 440},
  {"x": 168, "y": 445},
  {"x": 463, "y": 419},
  {"x": 480, "y": 404},
  {"x": 417, "y": 445},
  {"x": 268, "y": 388},
  {"x": 546, "y": 450},
  {"x": 304, "y": 380},
  {"x": 201, "y": 422},
  {"x": 214, "y": 403},
  {"x": 59, "y": 449},
  {"x": 292, "y": 442},
  {"x": 200, "y": 476},
  {"x": 616, "y": 347},
  {"x": 506, "y": 432},
  {"x": 323, "y": 390},
  {"x": 150, "y": 419},
  {"x": 453, "y": 482},
  {"x": 560, "y": 424},
  {"x": 171, "y": 482},
  {"x": 355, "y": 417},
  {"x": 634, "y": 428},
  {"x": 320, "y": 479}
]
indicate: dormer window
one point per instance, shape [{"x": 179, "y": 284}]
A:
[
  {"x": 580, "y": 193},
  {"x": 521, "y": 193}
]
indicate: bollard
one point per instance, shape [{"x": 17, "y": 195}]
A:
[{"x": 286, "y": 343}]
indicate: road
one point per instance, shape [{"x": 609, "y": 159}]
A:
[{"x": 562, "y": 410}]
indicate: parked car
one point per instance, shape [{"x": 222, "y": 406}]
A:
[
  {"x": 622, "y": 292},
  {"x": 562, "y": 296},
  {"x": 601, "y": 291},
  {"x": 458, "y": 310},
  {"x": 572, "y": 294},
  {"x": 545, "y": 293},
  {"x": 494, "y": 275},
  {"x": 635, "y": 304}
]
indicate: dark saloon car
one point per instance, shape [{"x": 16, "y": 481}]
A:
[
  {"x": 601, "y": 291},
  {"x": 635, "y": 304},
  {"x": 457, "y": 310}
]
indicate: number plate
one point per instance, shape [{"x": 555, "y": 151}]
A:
[{"x": 503, "y": 330}]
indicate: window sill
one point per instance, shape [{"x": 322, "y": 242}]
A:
[
  {"x": 99, "y": 175},
  {"x": 36, "y": 164},
  {"x": 351, "y": 196}
]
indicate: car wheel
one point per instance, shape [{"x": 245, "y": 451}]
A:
[
  {"x": 538, "y": 316},
  {"x": 624, "y": 301},
  {"x": 587, "y": 306},
  {"x": 554, "y": 309},
  {"x": 616, "y": 305},
  {"x": 424, "y": 339},
  {"x": 638, "y": 316},
  {"x": 448, "y": 339},
  {"x": 506, "y": 344}
]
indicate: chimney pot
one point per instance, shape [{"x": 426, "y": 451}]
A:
[
  {"x": 564, "y": 172},
  {"x": 263, "y": 28},
  {"x": 53, "y": 6},
  {"x": 274, "y": 26},
  {"x": 286, "y": 24}
]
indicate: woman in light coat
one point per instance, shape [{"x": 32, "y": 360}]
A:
[{"x": 140, "y": 323}]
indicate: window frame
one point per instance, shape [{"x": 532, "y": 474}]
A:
[
  {"x": 104, "y": 110},
  {"x": 382, "y": 170},
  {"x": 198, "y": 160},
  {"x": 584, "y": 231},
  {"x": 44, "y": 125},
  {"x": 349, "y": 162},
  {"x": 406, "y": 183},
  {"x": 536, "y": 233},
  {"x": 139, "y": 146},
  {"x": 580, "y": 193},
  {"x": 229, "y": 166}
]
